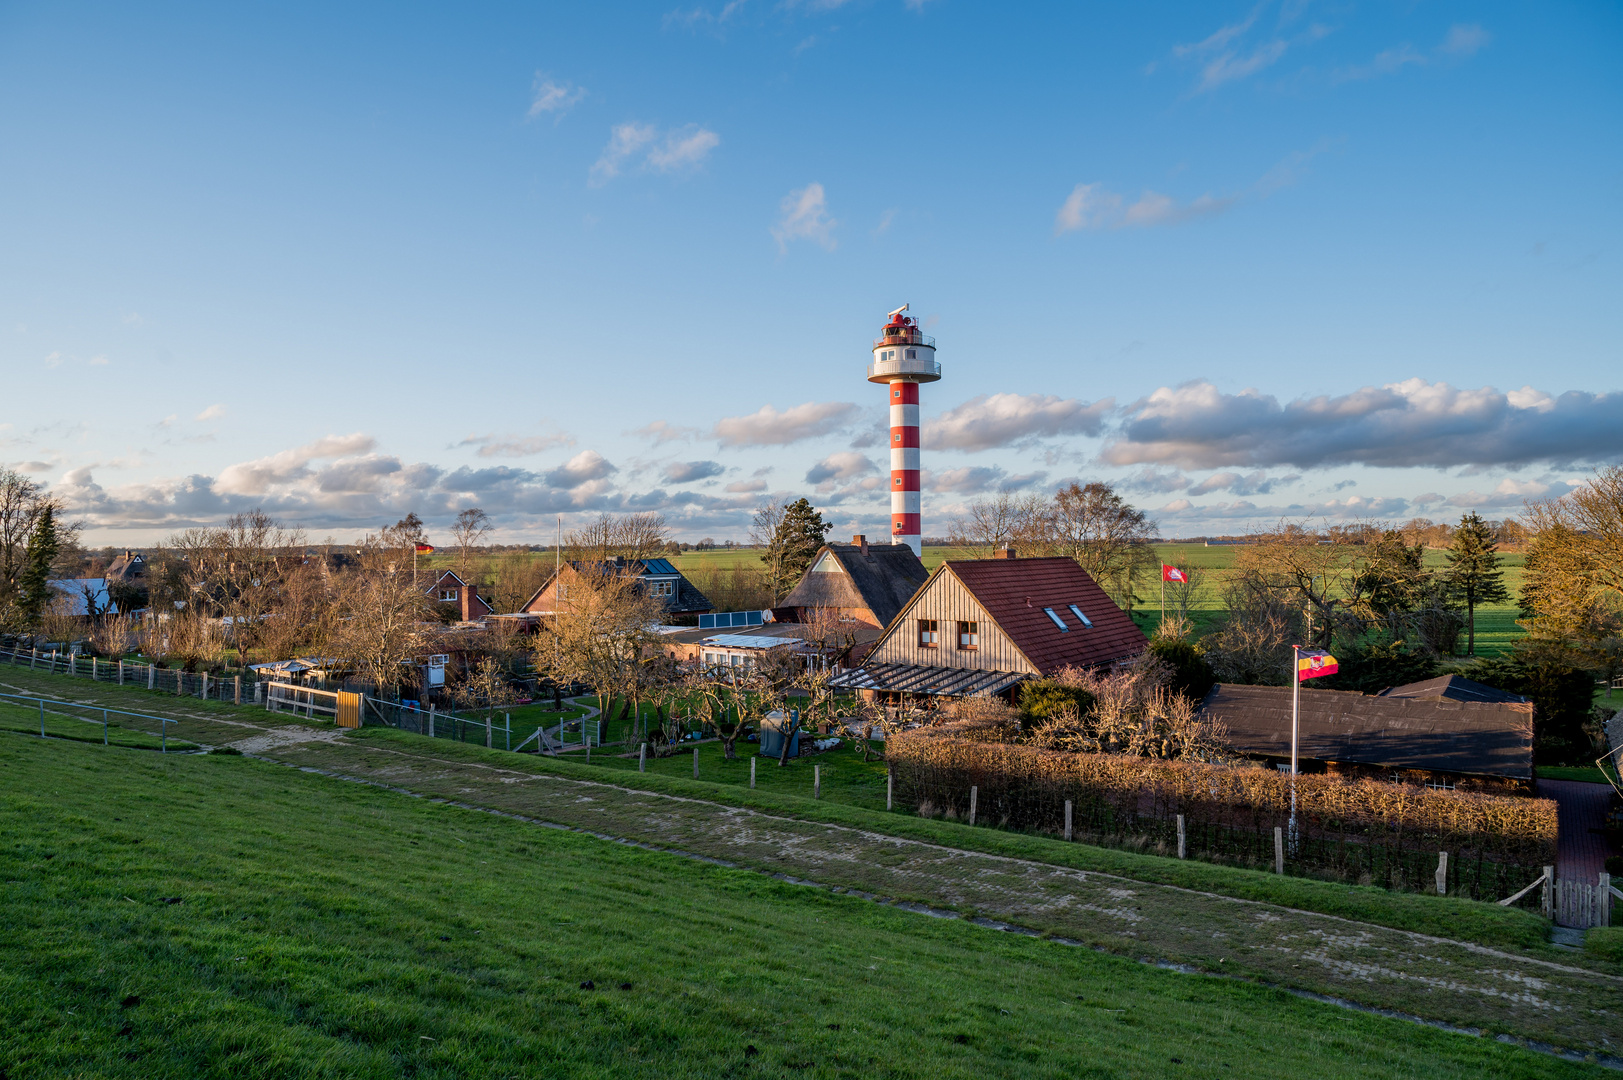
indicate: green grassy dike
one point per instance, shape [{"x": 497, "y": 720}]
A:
[
  {"x": 327, "y": 929},
  {"x": 787, "y": 792}
]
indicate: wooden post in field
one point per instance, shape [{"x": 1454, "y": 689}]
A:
[
  {"x": 205, "y": 686},
  {"x": 1182, "y": 848},
  {"x": 487, "y": 732},
  {"x": 1279, "y": 850},
  {"x": 1067, "y": 820},
  {"x": 817, "y": 781},
  {"x": 1544, "y": 892},
  {"x": 236, "y": 692},
  {"x": 152, "y": 676},
  {"x": 642, "y": 760},
  {"x": 430, "y": 719},
  {"x": 1605, "y": 898},
  {"x": 752, "y": 771},
  {"x": 974, "y": 793},
  {"x": 121, "y": 672},
  {"x": 507, "y": 718},
  {"x": 695, "y": 763},
  {"x": 259, "y": 691},
  {"x": 93, "y": 668},
  {"x": 890, "y": 786},
  {"x": 1442, "y": 873}
]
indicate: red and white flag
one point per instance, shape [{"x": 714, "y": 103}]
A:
[{"x": 1172, "y": 573}]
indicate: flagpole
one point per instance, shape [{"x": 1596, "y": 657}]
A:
[
  {"x": 1296, "y": 727},
  {"x": 1163, "y": 595}
]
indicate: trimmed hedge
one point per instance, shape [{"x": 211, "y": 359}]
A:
[{"x": 1354, "y": 829}]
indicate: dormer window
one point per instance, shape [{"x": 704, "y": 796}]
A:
[{"x": 1059, "y": 622}]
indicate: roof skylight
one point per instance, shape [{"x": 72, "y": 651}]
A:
[
  {"x": 1078, "y": 613},
  {"x": 1059, "y": 622}
]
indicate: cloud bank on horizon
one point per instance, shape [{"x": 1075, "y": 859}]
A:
[{"x": 1247, "y": 443}]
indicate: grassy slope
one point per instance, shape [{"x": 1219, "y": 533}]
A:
[
  {"x": 338, "y": 930},
  {"x": 853, "y": 793}
]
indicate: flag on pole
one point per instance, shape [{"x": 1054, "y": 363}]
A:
[
  {"x": 425, "y": 549},
  {"x": 1314, "y": 663},
  {"x": 1172, "y": 573}
]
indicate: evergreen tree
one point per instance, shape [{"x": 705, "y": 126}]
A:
[
  {"x": 1474, "y": 574},
  {"x": 34, "y": 590},
  {"x": 1394, "y": 580},
  {"x": 795, "y": 541}
]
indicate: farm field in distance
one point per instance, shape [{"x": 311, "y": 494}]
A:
[{"x": 210, "y": 915}]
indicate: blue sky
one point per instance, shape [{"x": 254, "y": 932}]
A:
[{"x": 1247, "y": 261}]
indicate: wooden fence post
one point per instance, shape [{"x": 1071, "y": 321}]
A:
[
  {"x": 1605, "y": 898},
  {"x": 974, "y": 793},
  {"x": 642, "y": 760},
  {"x": 121, "y": 672},
  {"x": 695, "y": 763},
  {"x": 487, "y": 732},
  {"x": 1182, "y": 850},
  {"x": 93, "y": 665},
  {"x": 205, "y": 686},
  {"x": 236, "y": 690},
  {"x": 152, "y": 676},
  {"x": 890, "y": 786},
  {"x": 752, "y": 772},
  {"x": 1442, "y": 873},
  {"x": 1067, "y": 820},
  {"x": 1544, "y": 893},
  {"x": 1279, "y": 850},
  {"x": 817, "y": 781}
]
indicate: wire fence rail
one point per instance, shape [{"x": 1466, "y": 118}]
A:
[{"x": 55, "y": 707}]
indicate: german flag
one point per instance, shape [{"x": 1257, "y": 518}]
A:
[
  {"x": 425, "y": 549},
  {"x": 1313, "y": 664}
]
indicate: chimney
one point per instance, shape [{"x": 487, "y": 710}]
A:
[
  {"x": 861, "y": 541},
  {"x": 467, "y": 603},
  {"x": 1006, "y": 553}
]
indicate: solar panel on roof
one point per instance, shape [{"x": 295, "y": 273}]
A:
[{"x": 658, "y": 566}]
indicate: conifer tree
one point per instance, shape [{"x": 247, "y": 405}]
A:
[
  {"x": 1474, "y": 574},
  {"x": 34, "y": 589}
]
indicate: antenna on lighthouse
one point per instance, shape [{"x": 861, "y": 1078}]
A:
[{"x": 898, "y": 311}]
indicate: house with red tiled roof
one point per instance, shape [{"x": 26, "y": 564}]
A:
[
  {"x": 451, "y": 592},
  {"x": 981, "y": 626}
]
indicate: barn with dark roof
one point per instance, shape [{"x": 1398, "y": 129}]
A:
[{"x": 982, "y": 626}]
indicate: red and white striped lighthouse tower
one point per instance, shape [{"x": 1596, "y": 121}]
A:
[{"x": 902, "y": 359}]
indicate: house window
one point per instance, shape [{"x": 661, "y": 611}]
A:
[
  {"x": 1059, "y": 622},
  {"x": 969, "y": 636},
  {"x": 912, "y": 354},
  {"x": 450, "y": 594},
  {"x": 1282, "y": 766},
  {"x": 1440, "y": 785},
  {"x": 664, "y": 588},
  {"x": 1078, "y": 613},
  {"x": 929, "y": 634}
]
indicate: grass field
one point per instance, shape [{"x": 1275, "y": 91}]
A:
[{"x": 218, "y": 916}]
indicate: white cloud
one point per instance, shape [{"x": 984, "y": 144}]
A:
[
  {"x": 1410, "y": 423},
  {"x": 746, "y": 487},
  {"x": 552, "y": 98},
  {"x": 844, "y": 465},
  {"x": 1091, "y": 206},
  {"x": 625, "y": 140},
  {"x": 683, "y": 149},
  {"x": 213, "y": 412},
  {"x": 974, "y": 479},
  {"x": 769, "y": 427},
  {"x": 805, "y": 217},
  {"x": 662, "y": 431},
  {"x": 514, "y": 446},
  {"x": 988, "y": 421},
  {"x": 1464, "y": 39},
  {"x": 586, "y": 466},
  {"x": 686, "y": 472},
  {"x": 259, "y": 476}
]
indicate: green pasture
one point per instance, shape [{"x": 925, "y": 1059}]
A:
[{"x": 214, "y": 916}]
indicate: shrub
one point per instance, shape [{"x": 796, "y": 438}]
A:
[
  {"x": 1382, "y": 663},
  {"x": 1191, "y": 675},
  {"x": 1046, "y": 699},
  {"x": 1561, "y": 693}
]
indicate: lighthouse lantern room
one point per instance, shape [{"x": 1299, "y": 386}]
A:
[{"x": 902, "y": 359}]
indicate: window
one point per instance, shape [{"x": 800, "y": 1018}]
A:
[
  {"x": 896, "y": 437},
  {"x": 1078, "y": 613},
  {"x": 896, "y": 393},
  {"x": 969, "y": 636},
  {"x": 663, "y": 588},
  {"x": 1440, "y": 785},
  {"x": 1282, "y": 766},
  {"x": 1059, "y": 622},
  {"x": 450, "y": 594},
  {"x": 897, "y": 481},
  {"x": 912, "y": 354},
  {"x": 929, "y": 635}
]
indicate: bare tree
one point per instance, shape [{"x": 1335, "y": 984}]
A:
[
  {"x": 1000, "y": 521},
  {"x": 381, "y": 614},
  {"x": 599, "y": 632},
  {"x": 1106, "y": 535},
  {"x": 1294, "y": 564},
  {"x": 626, "y": 536},
  {"x": 472, "y": 526}
]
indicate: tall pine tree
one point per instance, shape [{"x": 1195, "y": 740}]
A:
[
  {"x": 1474, "y": 575},
  {"x": 34, "y": 588},
  {"x": 794, "y": 543}
]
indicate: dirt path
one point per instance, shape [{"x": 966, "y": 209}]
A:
[{"x": 1451, "y": 982}]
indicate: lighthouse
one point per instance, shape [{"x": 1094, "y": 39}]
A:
[{"x": 902, "y": 359}]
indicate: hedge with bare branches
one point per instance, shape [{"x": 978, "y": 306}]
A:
[{"x": 1353, "y": 829}]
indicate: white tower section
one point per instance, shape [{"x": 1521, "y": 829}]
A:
[{"x": 902, "y": 359}]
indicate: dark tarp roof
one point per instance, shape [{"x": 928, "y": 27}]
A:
[
  {"x": 921, "y": 679},
  {"x": 1014, "y": 593},
  {"x": 882, "y": 581},
  {"x": 1480, "y": 738},
  {"x": 1452, "y": 687}
]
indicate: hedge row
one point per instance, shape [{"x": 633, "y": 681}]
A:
[{"x": 1354, "y": 829}]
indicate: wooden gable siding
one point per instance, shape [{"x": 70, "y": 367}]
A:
[{"x": 945, "y": 600}]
